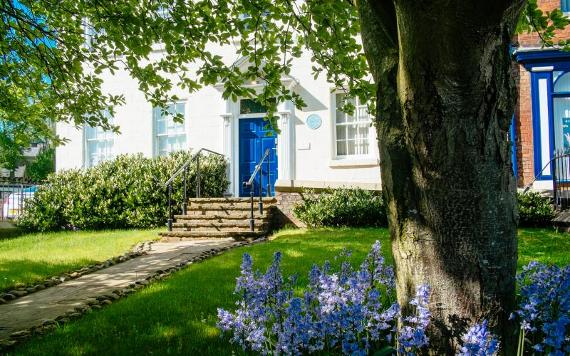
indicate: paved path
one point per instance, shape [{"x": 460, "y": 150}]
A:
[{"x": 37, "y": 308}]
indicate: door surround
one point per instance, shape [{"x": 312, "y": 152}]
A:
[{"x": 285, "y": 141}]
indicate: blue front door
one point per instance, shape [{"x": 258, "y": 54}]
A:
[{"x": 254, "y": 139}]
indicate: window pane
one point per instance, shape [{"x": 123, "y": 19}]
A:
[
  {"x": 351, "y": 147},
  {"x": 251, "y": 106},
  {"x": 362, "y": 147},
  {"x": 99, "y": 145},
  {"x": 180, "y": 108},
  {"x": 363, "y": 130},
  {"x": 352, "y": 130},
  {"x": 161, "y": 127},
  {"x": 171, "y": 134},
  {"x": 341, "y": 132},
  {"x": 565, "y": 5},
  {"x": 90, "y": 133},
  {"x": 562, "y": 123},
  {"x": 362, "y": 113},
  {"x": 341, "y": 148},
  {"x": 563, "y": 83}
]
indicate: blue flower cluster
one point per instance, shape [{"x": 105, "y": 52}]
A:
[
  {"x": 545, "y": 307},
  {"x": 349, "y": 311},
  {"x": 352, "y": 311},
  {"x": 412, "y": 336},
  {"x": 478, "y": 341}
]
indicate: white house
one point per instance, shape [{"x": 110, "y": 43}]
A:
[{"x": 319, "y": 146}]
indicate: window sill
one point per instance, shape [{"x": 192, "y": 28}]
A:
[{"x": 353, "y": 162}]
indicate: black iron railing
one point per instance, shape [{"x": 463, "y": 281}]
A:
[
  {"x": 250, "y": 183},
  {"x": 560, "y": 169},
  {"x": 561, "y": 179},
  {"x": 183, "y": 170},
  {"x": 13, "y": 197}
]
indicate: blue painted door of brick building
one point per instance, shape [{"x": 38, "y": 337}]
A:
[{"x": 254, "y": 139}]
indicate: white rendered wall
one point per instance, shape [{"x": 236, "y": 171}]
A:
[{"x": 312, "y": 151}]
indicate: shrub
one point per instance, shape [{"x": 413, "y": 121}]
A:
[
  {"x": 342, "y": 207},
  {"x": 534, "y": 209},
  {"x": 126, "y": 192}
]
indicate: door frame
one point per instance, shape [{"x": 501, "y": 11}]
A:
[{"x": 285, "y": 141}]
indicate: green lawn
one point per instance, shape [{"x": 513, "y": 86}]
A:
[
  {"x": 178, "y": 315},
  {"x": 544, "y": 245},
  {"x": 33, "y": 257}
]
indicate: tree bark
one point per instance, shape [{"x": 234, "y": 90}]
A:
[{"x": 445, "y": 101}]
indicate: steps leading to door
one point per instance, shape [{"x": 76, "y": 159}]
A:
[{"x": 222, "y": 218}]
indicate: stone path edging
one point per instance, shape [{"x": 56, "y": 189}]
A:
[
  {"x": 10, "y": 294},
  {"x": 99, "y": 301}
]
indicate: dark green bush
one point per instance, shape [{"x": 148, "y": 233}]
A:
[
  {"x": 342, "y": 207},
  {"x": 534, "y": 209},
  {"x": 127, "y": 192}
]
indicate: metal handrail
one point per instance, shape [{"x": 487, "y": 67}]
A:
[
  {"x": 527, "y": 187},
  {"x": 249, "y": 184},
  {"x": 187, "y": 163},
  {"x": 184, "y": 170},
  {"x": 560, "y": 177},
  {"x": 257, "y": 168}
]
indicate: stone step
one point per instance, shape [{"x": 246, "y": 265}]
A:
[
  {"x": 562, "y": 220},
  {"x": 227, "y": 213},
  {"x": 268, "y": 200},
  {"x": 237, "y": 235},
  {"x": 193, "y": 226},
  {"x": 240, "y": 206},
  {"x": 219, "y": 229},
  {"x": 213, "y": 216},
  {"x": 220, "y": 224}
]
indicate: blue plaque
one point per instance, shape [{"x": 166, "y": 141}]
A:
[{"x": 314, "y": 121}]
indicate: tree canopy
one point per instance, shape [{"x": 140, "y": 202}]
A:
[
  {"x": 437, "y": 74},
  {"x": 53, "y": 52}
]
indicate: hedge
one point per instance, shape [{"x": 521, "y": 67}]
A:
[
  {"x": 534, "y": 209},
  {"x": 357, "y": 207},
  {"x": 126, "y": 192},
  {"x": 342, "y": 207}
]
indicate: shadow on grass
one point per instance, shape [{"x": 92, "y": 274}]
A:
[
  {"x": 18, "y": 272},
  {"x": 10, "y": 233},
  {"x": 178, "y": 315}
]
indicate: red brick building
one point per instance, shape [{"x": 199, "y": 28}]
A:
[{"x": 542, "y": 116}]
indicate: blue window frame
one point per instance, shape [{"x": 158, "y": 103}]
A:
[
  {"x": 565, "y": 5},
  {"x": 550, "y": 90}
]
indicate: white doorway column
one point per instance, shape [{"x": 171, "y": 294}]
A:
[
  {"x": 285, "y": 146},
  {"x": 227, "y": 132}
]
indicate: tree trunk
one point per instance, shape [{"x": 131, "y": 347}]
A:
[{"x": 445, "y": 102}]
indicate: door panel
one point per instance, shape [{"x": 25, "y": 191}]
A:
[{"x": 254, "y": 139}]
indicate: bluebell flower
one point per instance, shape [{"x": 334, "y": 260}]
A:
[
  {"x": 479, "y": 341},
  {"x": 544, "y": 309},
  {"x": 412, "y": 335},
  {"x": 346, "y": 312}
]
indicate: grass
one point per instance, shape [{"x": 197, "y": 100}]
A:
[
  {"x": 31, "y": 258},
  {"x": 544, "y": 245},
  {"x": 178, "y": 315}
]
